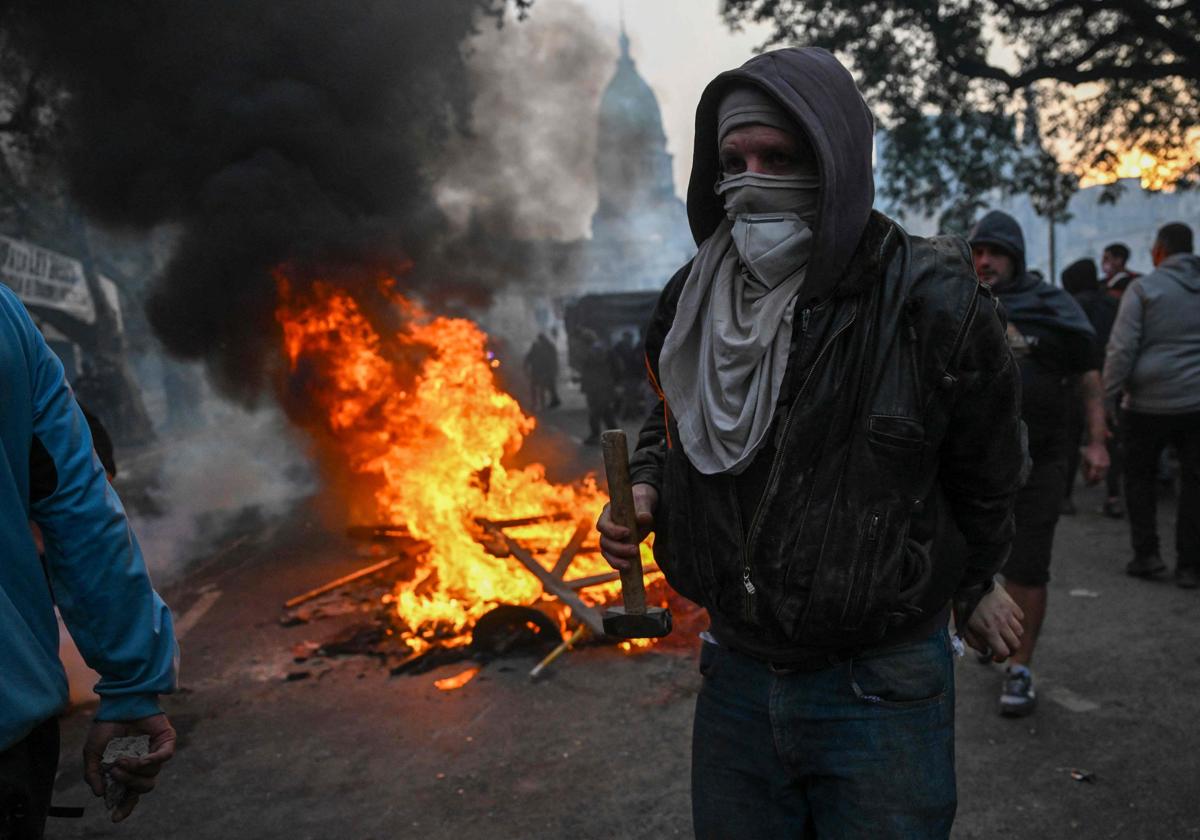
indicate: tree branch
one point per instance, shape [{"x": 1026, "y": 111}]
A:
[
  {"x": 1071, "y": 72},
  {"x": 1145, "y": 17}
]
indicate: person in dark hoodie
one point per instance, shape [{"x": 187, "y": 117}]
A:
[
  {"x": 1053, "y": 343},
  {"x": 1081, "y": 280},
  {"x": 1153, "y": 370},
  {"x": 831, "y": 390}
]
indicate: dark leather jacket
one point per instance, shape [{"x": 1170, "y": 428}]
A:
[{"x": 901, "y": 403}]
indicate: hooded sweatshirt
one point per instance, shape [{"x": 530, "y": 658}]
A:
[
  {"x": 1153, "y": 355},
  {"x": 751, "y": 547},
  {"x": 1052, "y": 338},
  {"x": 820, "y": 95},
  {"x": 725, "y": 357},
  {"x": 1081, "y": 277},
  {"x": 823, "y": 103},
  {"x": 93, "y": 569}
]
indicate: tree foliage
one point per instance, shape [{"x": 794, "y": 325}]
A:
[{"x": 957, "y": 86}]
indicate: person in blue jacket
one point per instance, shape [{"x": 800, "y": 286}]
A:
[{"x": 92, "y": 570}]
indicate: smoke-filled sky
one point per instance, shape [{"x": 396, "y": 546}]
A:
[
  {"x": 678, "y": 46},
  {"x": 314, "y": 136},
  {"x": 528, "y": 168},
  {"x": 268, "y": 135}
]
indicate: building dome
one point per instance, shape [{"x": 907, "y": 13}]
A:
[
  {"x": 629, "y": 107},
  {"x": 633, "y": 169}
]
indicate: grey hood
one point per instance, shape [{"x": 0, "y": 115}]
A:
[
  {"x": 820, "y": 95},
  {"x": 1184, "y": 269}
]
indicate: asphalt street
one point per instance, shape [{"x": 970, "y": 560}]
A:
[{"x": 600, "y": 747}]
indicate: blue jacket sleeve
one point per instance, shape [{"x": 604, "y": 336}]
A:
[{"x": 121, "y": 625}]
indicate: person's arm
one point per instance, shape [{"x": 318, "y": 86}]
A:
[
  {"x": 650, "y": 454},
  {"x": 99, "y": 580},
  {"x": 122, "y": 628},
  {"x": 1124, "y": 345},
  {"x": 980, "y": 465}
]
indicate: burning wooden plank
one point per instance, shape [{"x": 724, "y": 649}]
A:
[
  {"x": 342, "y": 581},
  {"x": 552, "y": 584},
  {"x": 378, "y": 532}
]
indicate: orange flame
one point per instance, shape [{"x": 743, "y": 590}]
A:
[
  {"x": 436, "y": 444},
  {"x": 457, "y": 681}
]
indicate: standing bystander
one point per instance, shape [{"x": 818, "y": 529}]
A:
[
  {"x": 541, "y": 366},
  {"x": 1081, "y": 281},
  {"x": 1053, "y": 342},
  {"x": 1100, "y": 304},
  {"x": 1153, "y": 368},
  {"x": 598, "y": 381},
  {"x": 1117, "y": 276}
]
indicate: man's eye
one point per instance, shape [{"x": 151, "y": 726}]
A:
[{"x": 732, "y": 164}]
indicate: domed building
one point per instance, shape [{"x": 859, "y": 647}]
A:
[{"x": 640, "y": 234}]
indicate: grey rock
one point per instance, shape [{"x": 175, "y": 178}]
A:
[{"x": 134, "y": 746}]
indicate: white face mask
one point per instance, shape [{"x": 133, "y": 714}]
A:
[{"x": 771, "y": 217}]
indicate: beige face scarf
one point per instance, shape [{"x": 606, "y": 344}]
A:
[{"x": 723, "y": 361}]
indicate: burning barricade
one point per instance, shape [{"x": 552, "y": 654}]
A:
[{"x": 486, "y": 557}]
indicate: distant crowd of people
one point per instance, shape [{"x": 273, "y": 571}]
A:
[
  {"x": 1149, "y": 327},
  {"x": 1110, "y": 372},
  {"x": 611, "y": 376}
]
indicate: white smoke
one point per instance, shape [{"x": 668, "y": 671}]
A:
[
  {"x": 528, "y": 169},
  {"x": 228, "y": 481}
]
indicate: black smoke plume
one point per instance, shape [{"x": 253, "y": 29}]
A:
[{"x": 267, "y": 133}]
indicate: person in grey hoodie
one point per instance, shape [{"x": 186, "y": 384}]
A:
[{"x": 1152, "y": 366}]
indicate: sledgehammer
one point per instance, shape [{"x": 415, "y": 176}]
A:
[{"x": 634, "y": 620}]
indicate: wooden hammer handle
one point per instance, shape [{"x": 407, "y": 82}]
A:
[{"x": 622, "y": 511}]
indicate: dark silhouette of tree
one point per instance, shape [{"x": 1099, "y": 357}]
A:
[{"x": 948, "y": 82}]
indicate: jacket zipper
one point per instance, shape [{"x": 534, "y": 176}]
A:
[
  {"x": 863, "y": 561},
  {"x": 773, "y": 475},
  {"x": 910, "y": 334},
  {"x": 747, "y": 584}
]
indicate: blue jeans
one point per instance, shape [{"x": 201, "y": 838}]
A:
[{"x": 864, "y": 749}]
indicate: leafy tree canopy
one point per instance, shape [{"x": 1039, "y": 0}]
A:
[{"x": 1020, "y": 95}]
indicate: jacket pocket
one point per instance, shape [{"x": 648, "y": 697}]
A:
[
  {"x": 709, "y": 654},
  {"x": 900, "y": 432}
]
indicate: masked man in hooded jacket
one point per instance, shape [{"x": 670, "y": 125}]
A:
[{"x": 832, "y": 392}]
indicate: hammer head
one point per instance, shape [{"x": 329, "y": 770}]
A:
[{"x": 651, "y": 624}]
